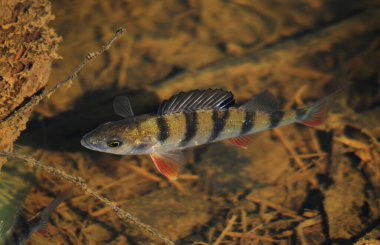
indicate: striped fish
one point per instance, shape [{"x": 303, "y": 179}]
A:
[{"x": 193, "y": 118}]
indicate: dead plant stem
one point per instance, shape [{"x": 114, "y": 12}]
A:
[
  {"x": 46, "y": 93},
  {"x": 79, "y": 182}
]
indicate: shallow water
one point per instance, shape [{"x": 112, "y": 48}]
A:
[{"x": 292, "y": 185}]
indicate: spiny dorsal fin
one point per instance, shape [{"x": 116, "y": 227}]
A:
[
  {"x": 264, "y": 101},
  {"x": 122, "y": 107},
  {"x": 196, "y": 100}
]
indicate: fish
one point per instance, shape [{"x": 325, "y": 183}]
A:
[
  {"x": 24, "y": 229},
  {"x": 193, "y": 118}
]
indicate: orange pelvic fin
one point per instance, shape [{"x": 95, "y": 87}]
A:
[
  {"x": 241, "y": 141},
  {"x": 169, "y": 164}
]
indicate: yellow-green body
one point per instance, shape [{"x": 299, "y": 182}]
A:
[
  {"x": 187, "y": 129},
  {"x": 189, "y": 119}
]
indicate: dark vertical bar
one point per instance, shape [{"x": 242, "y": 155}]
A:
[
  {"x": 163, "y": 128},
  {"x": 191, "y": 127}
]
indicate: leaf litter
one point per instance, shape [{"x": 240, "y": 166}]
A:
[{"x": 293, "y": 184}]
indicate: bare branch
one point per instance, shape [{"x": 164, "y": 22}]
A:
[
  {"x": 46, "y": 93},
  {"x": 79, "y": 182}
]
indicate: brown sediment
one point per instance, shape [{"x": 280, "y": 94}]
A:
[
  {"x": 305, "y": 185},
  {"x": 79, "y": 182}
]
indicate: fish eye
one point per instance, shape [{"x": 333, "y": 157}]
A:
[{"x": 114, "y": 143}]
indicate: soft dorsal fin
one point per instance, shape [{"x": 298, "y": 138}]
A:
[
  {"x": 195, "y": 100},
  {"x": 122, "y": 107},
  {"x": 264, "y": 101}
]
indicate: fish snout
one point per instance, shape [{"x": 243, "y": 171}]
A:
[{"x": 85, "y": 141}]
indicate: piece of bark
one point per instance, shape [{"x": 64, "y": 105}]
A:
[{"x": 27, "y": 48}]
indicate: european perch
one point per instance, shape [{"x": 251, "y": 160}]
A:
[{"x": 194, "y": 118}]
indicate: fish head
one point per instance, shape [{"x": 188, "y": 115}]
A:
[{"x": 116, "y": 137}]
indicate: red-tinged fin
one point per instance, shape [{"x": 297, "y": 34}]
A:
[
  {"x": 44, "y": 232},
  {"x": 316, "y": 114},
  {"x": 241, "y": 141},
  {"x": 168, "y": 163}
]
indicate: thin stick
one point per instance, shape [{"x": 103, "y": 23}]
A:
[
  {"x": 46, "y": 93},
  {"x": 300, "y": 228},
  {"x": 250, "y": 236},
  {"x": 116, "y": 182},
  {"x": 178, "y": 186},
  {"x": 284, "y": 211},
  {"x": 289, "y": 148},
  {"x": 79, "y": 182},
  {"x": 296, "y": 98},
  {"x": 105, "y": 210},
  {"x": 231, "y": 222},
  {"x": 293, "y": 153},
  {"x": 188, "y": 177},
  {"x": 310, "y": 155},
  {"x": 143, "y": 172},
  {"x": 244, "y": 226}
]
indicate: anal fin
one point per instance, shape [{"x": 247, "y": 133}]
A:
[
  {"x": 169, "y": 164},
  {"x": 241, "y": 141}
]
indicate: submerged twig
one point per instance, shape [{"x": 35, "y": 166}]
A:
[
  {"x": 282, "y": 210},
  {"x": 46, "y": 93},
  {"x": 79, "y": 182},
  {"x": 251, "y": 236},
  {"x": 304, "y": 224},
  {"x": 143, "y": 172},
  {"x": 231, "y": 222},
  {"x": 293, "y": 154}
]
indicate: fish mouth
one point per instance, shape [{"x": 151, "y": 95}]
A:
[{"x": 84, "y": 142}]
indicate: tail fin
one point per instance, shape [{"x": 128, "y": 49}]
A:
[{"x": 315, "y": 114}]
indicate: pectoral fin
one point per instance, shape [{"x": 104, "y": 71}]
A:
[
  {"x": 241, "y": 141},
  {"x": 169, "y": 164}
]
